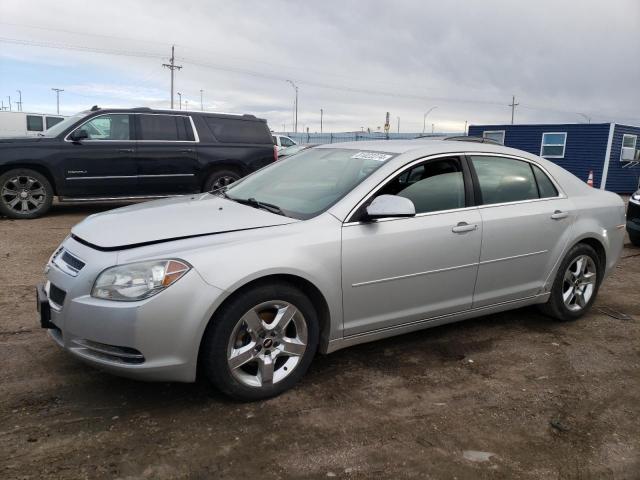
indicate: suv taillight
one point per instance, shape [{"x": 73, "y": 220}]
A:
[{"x": 275, "y": 153}]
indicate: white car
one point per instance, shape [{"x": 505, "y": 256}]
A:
[
  {"x": 282, "y": 141},
  {"x": 337, "y": 245}
]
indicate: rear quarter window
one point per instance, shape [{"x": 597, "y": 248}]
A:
[{"x": 232, "y": 130}]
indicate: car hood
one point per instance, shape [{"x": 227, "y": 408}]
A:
[{"x": 171, "y": 219}]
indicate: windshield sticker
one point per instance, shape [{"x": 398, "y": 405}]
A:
[{"x": 380, "y": 157}]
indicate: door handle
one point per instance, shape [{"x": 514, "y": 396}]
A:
[
  {"x": 125, "y": 150},
  {"x": 559, "y": 215},
  {"x": 463, "y": 227}
]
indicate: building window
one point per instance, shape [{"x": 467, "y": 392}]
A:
[
  {"x": 553, "y": 144},
  {"x": 628, "y": 153},
  {"x": 495, "y": 135},
  {"x": 35, "y": 123}
]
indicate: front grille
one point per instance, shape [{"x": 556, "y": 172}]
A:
[
  {"x": 56, "y": 295},
  {"x": 72, "y": 261}
]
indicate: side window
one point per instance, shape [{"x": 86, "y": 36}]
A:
[
  {"x": 285, "y": 142},
  {"x": 108, "y": 127},
  {"x": 432, "y": 186},
  {"x": 51, "y": 121},
  {"x": 504, "y": 179},
  {"x": 35, "y": 123},
  {"x": 238, "y": 130},
  {"x": 160, "y": 127},
  {"x": 545, "y": 186}
]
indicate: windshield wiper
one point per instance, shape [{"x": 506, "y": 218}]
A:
[{"x": 252, "y": 202}]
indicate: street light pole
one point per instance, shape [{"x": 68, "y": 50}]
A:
[
  {"x": 19, "y": 102},
  {"x": 424, "y": 118},
  {"x": 201, "y": 104},
  {"x": 57, "y": 90},
  {"x": 180, "y": 97},
  {"x": 398, "y": 124},
  {"x": 295, "y": 118},
  {"x": 321, "y": 114},
  {"x": 9, "y": 97}
]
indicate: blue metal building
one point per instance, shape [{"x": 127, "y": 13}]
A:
[{"x": 610, "y": 150}]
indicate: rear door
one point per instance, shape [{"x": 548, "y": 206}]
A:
[
  {"x": 167, "y": 159},
  {"x": 526, "y": 224},
  {"x": 104, "y": 163}
]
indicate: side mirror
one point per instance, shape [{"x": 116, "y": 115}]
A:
[
  {"x": 78, "y": 135},
  {"x": 390, "y": 206}
]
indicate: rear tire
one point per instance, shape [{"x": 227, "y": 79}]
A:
[
  {"x": 635, "y": 238},
  {"x": 220, "y": 179},
  {"x": 24, "y": 193},
  {"x": 261, "y": 342},
  {"x": 576, "y": 284}
]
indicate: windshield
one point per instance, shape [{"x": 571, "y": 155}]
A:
[
  {"x": 58, "y": 128},
  {"x": 308, "y": 183}
]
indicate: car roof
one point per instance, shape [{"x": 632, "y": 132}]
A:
[
  {"x": 239, "y": 116},
  {"x": 426, "y": 146}
]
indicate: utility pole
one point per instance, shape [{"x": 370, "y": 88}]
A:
[
  {"x": 424, "y": 118},
  {"x": 295, "y": 118},
  {"x": 321, "y": 113},
  {"x": 201, "y": 104},
  {"x": 513, "y": 106},
  {"x": 465, "y": 127},
  {"x": 172, "y": 66},
  {"x": 57, "y": 90},
  {"x": 180, "y": 97},
  {"x": 2, "y": 107},
  {"x": 19, "y": 102},
  {"x": 398, "y": 124},
  {"x": 9, "y": 97},
  {"x": 433, "y": 126}
]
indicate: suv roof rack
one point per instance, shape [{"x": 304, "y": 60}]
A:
[
  {"x": 95, "y": 108},
  {"x": 144, "y": 109},
  {"x": 469, "y": 138}
]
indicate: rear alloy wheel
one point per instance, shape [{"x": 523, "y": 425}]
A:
[
  {"x": 220, "y": 179},
  {"x": 24, "y": 194},
  {"x": 576, "y": 285},
  {"x": 261, "y": 342}
]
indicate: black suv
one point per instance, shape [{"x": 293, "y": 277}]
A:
[{"x": 115, "y": 154}]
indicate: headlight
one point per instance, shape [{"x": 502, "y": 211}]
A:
[
  {"x": 137, "y": 281},
  {"x": 635, "y": 198}
]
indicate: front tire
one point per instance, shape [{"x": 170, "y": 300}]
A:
[
  {"x": 261, "y": 342},
  {"x": 576, "y": 285},
  {"x": 24, "y": 193}
]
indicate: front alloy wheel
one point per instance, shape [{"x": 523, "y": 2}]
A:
[
  {"x": 24, "y": 194},
  {"x": 261, "y": 341},
  {"x": 267, "y": 344}
]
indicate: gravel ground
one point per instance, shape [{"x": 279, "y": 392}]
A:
[{"x": 513, "y": 395}]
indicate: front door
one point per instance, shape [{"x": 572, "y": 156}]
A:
[
  {"x": 402, "y": 270},
  {"x": 526, "y": 226},
  {"x": 104, "y": 163},
  {"x": 167, "y": 156}
]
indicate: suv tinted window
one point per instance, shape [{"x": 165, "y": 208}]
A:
[
  {"x": 108, "y": 127},
  {"x": 165, "y": 127},
  {"x": 433, "y": 186},
  {"x": 35, "y": 123},
  {"x": 232, "y": 130},
  {"x": 504, "y": 179},
  {"x": 545, "y": 186}
]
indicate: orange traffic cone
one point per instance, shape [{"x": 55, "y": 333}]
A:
[{"x": 590, "y": 179}]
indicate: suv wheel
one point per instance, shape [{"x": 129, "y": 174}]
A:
[
  {"x": 576, "y": 285},
  {"x": 220, "y": 179},
  {"x": 261, "y": 342},
  {"x": 24, "y": 194}
]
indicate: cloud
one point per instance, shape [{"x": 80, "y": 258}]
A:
[{"x": 355, "y": 60}]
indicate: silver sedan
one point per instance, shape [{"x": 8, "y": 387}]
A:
[{"x": 338, "y": 245}]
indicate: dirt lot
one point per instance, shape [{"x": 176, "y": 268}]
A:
[{"x": 547, "y": 400}]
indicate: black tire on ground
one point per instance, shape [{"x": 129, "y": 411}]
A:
[
  {"x": 220, "y": 178},
  {"x": 635, "y": 238},
  {"x": 213, "y": 359},
  {"x": 24, "y": 193},
  {"x": 555, "y": 306}
]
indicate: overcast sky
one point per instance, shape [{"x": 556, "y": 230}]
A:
[{"x": 356, "y": 60}]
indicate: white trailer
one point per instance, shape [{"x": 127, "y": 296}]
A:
[{"x": 20, "y": 124}]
